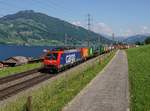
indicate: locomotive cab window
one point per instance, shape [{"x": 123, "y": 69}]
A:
[{"x": 52, "y": 56}]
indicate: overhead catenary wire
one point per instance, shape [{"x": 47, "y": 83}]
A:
[
  {"x": 7, "y": 5},
  {"x": 17, "y": 6},
  {"x": 53, "y": 6},
  {"x": 42, "y": 5},
  {"x": 10, "y": 5},
  {"x": 61, "y": 6}
]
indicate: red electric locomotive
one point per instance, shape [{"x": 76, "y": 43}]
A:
[{"x": 56, "y": 61}]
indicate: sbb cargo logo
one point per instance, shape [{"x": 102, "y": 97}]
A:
[{"x": 70, "y": 58}]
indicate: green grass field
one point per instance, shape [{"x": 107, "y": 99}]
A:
[
  {"x": 18, "y": 69},
  {"x": 55, "y": 95},
  {"x": 139, "y": 76}
]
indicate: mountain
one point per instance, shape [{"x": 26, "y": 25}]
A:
[
  {"x": 116, "y": 38},
  {"x": 120, "y": 38},
  {"x": 34, "y": 28},
  {"x": 129, "y": 39},
  {"x": 136, "y": 38}
]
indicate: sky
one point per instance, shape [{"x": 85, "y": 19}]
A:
[{"x": 121, "y": 17}]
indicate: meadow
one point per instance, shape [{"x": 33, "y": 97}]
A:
[
  {"x": 139, "y": 77},
  {"x": 12, "y": 70}
]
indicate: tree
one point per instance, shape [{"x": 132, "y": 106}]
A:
[
  {"x": 147, "y": 40},
  {"x": 138, "y": 43}
]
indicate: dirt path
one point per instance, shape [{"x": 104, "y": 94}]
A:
[{"x": 108, "y": 91}]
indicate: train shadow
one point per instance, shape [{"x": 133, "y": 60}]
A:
[{"x": 47, "y": 71}]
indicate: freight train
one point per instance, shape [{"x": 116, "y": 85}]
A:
[{"x": 59, "y": 59}]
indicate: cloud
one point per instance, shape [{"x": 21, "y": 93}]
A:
[
  {"x": 77, "y": 23},
  {"x": 105, "y": 29},
  {"x": 128, "y": 32},
  {"x": 102, "y": 28},
  {"x": 135, "y": 31},
  {"x": 145, "y": 29},
  {"x": 98, "y": 27}
]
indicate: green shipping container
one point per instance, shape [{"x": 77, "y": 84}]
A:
[
  {"x": 101, "y": 49},
  {"x": 90, "y": 51}
]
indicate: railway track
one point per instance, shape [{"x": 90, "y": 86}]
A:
[
  {"x": 14, "y": 89},
  {"x": 9, "y": 86},
  {"x": 18, "y": 75}
]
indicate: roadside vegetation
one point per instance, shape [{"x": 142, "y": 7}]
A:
[
  {"x": 55, "y": 95},
  {"x": 139, "y": 76},
  {"x": 12, "y": 70}
]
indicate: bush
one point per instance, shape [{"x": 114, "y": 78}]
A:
[
  {"x": 139, "y": 43},
  {"x": 147, "y": 41}
]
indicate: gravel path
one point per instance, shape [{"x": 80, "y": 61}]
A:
[{"x": 108, "y": 91}]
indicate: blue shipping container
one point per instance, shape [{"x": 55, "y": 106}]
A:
[{"x": 70, "y": 57}]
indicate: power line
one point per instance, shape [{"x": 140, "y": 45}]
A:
[
  {"x": 113, "y": 36},
  {"x": 51, "y": 4},
  {"x": 61, "y": 6},
  {"x": 46, "y": 7},
  {"x": 66, "y": 37},
  {"x": 92, "y": 23},
  {"x": 89, "y": 22},
  {"x": 89, "y": 28},
  {"x": 8, "y": 4},
  {"x": 3, "y": 3},
  {"x": 41, "y": 4}
]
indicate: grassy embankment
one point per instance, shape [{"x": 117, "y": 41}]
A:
[
  {"x": 18, "y": 69},
  {"x": 54, "y": 96},
  {"x": 139, "y": 76}
]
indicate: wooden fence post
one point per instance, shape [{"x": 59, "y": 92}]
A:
[
  {"x": 66, "y": 80},
  {"x": 29, "y": 101},
  {"x": 100, "y": 60}
]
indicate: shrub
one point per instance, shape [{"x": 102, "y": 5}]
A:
[{"x": 147, "y": 41}]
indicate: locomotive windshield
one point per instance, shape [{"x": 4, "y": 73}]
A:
[{"x": 52, "y": 56}]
